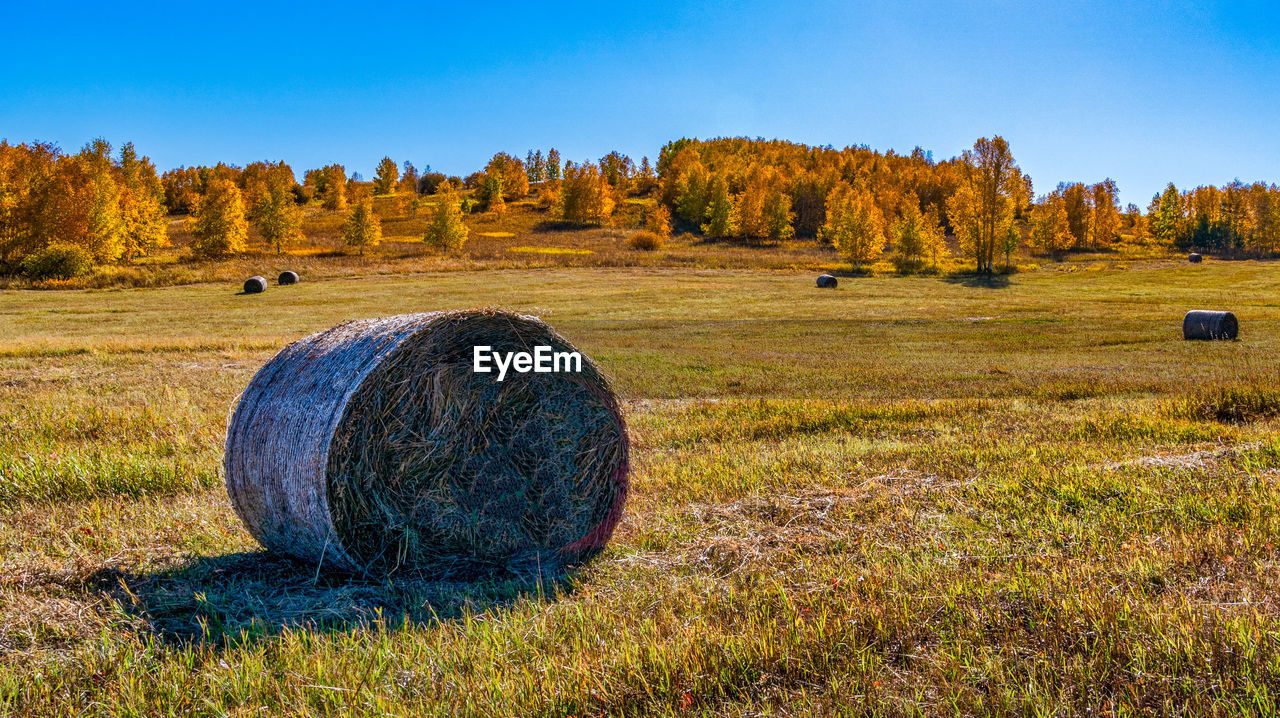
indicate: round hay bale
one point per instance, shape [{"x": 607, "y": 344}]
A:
[
  {"x": 255, "y": 285},
  {"x": 374, "y": 448},
  {"x": 826, "y": 281},
  {"x": 1203, "y": 324},
  {"x": 287, "y": 277},
  {"x": 1194, "y": 258}
]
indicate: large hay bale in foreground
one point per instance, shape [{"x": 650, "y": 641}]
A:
[
  {"x": 373, "y": 447},
  {"x": 287, "y": 277},
  {"x": 1202, "y": 324},
  {"x": 255, "y": 285},
  {"x": 1194, "y": 258},
  {"x": 826, "y": 281}
]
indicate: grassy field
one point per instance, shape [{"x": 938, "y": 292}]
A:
[{"x": 904, "y": 496}]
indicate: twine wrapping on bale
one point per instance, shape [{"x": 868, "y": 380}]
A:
[
  {"x": 826, "y": 281},
  {"x": 1194, "y": 258},
  {"x": 1202, "y": 324},
  {"x": 255, "y": 285},
  {"x": 287, "y": 277},
  {"x": 373, "y": 447}
]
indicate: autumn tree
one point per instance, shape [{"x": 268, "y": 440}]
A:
[
  {"x": 511, "y": 174},
  {"x": 935, "y": 240},
  {"x": 854, "y": 225},
  {"x": 691, "y": 194},
  {"x": 219, "y": 224},
  {"x": 1166, "y": 216},
  {"x": 1050, "y": 226},
  {"x": 721, "y": 215},
  {"x": 409, "y": 178},
  {"x": 490, "y": 192},
  {"x": 362, "y": 227},
  {"x": 276, "y": 216},
  {"x": 1075, "y": 199},
  {"x": 778, "y": 216},
  {"x": 657, "y": 219},
  {"x": 908, "y": 236},
  {"x": 386, "y": 177},
  {"x": 553, "y": 164},
  {"x": 331, "y": 187},
  {"x": 1010, "y": 243},
  {"x": 617, "y": 168},
  {"x": 645, "y": 179},
  {"x": 535, "y": 167},
  {"x": 981, "y": 209},
  {"x": 1104, "y": 225},
  {"x": 181, "y": 189},
  {"x": 446, "y": 230},
  {"x": 142, "y": 207},
  {"x": 585, "y": 198}
]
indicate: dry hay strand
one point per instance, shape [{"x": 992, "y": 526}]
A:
[
  {"x": 374, "y": 448},
  {"x": 255, "y": 285},
  {"x": 287, "y": 277}
]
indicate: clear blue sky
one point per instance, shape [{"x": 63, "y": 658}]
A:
[{"x": 1143, "y": 93}]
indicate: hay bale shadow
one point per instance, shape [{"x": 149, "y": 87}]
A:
[{"x": 246, "y": 597}]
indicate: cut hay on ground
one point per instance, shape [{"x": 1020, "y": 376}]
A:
[{"x": 373, "y": 447}]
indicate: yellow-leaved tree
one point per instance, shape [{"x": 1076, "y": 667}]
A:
[
  {"x": 854, "y": 225},
  {"x": 362, "y": 227},
  {"x": 446, "y": 229},
  {"x": 982, "y": 207},
  {"x": 219, "y": 224}
]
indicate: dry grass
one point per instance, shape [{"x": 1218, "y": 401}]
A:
[{"x": 926, "y": 496}]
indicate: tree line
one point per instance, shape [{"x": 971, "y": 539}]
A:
[{"x": 107, "y": 206}]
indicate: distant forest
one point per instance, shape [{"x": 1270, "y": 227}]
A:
[{"x": 101, "y": 206}]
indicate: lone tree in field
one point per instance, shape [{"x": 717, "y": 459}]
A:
[
  {"x": 362, "y": 228},
  {"x": 446, "y": 230},
  {"x": 387, "y": 177},
  {"x": 982, "y": 207},
  {"x": 219, "y": 226},
  {"x": 276, "y": 216},
  {"x": 854, "y": 225}
]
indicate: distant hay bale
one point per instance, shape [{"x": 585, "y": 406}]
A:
[
  {"x": 255, "y": 285},
  {"x": 1202, "y": 324},
  {"x": 1194, "y": 258},
  {"x": 287, "y": 277},
  {"x": 826, "y": 281},
  {"x": 374, "y": 448}
]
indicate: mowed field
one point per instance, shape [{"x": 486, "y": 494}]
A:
[{"x": 907, "y": 495}]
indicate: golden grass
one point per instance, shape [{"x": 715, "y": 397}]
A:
[{"x": 550, "y": 250}]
